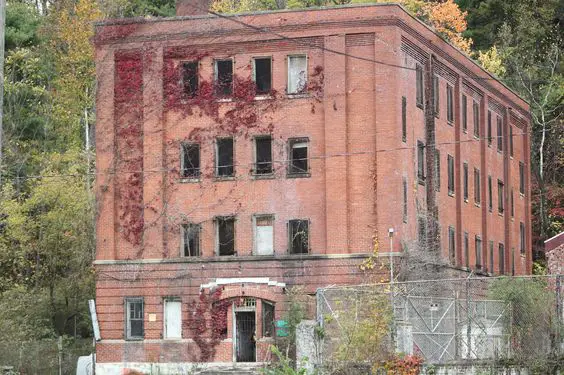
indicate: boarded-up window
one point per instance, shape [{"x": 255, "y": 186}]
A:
[
  {"x": 134, "y": 318},
  {"x": 299, "y": 236},
  {"x": 264, "y": 235},
  {"x": 191, "y": 240},
  {"x": 263, "y": 155},
  {"x": 190, "y": 78},
  {"x": 267, "y": 319},
  {"x": 224, "y": 157},
  {"x": 263, "y": 74},
  {"x": 224, "y": 77},
  {"x": 225, "y": 227},
  {"x": 297, "y": 74},
  {"x": 190, "y": 160},
  {"x": 172, "y": 318},
  {"x": 298, "y": 150}
]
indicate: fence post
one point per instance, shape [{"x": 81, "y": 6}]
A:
[
  {"x": 559, "y": 314},
  {"x": 468, "y": 321},
  {"x": 60, "y": 347},
  {"x": 456, "y": 325}
]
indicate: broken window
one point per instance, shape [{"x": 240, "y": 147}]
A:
[
  {"x": 450, "y": 102},
  {"x": 476, "y": 114},
  {"x": 404, "y": 185},
  {"x": 298, "y": 156},
  {"x": 224, "y": 157},
  {"x": 224, "y": 77},
  {"x": 297, "y": 74},
  {"x": 436, "y": 95},
  {"x": 172, "y": 318},
  {"x": 478, "y": 249},
  {"x": 450, "y": 167},
  {"x": 500, "y": 196},
  {"x": 501, "y": 259},
  {"x": 477, "y": 187},
  {"x": 267, "y": 319},
  {"x": 522, "y": 238},
  {"x": 451, "y": 245},
  {"x": 134, "y": 318},
  {"x": 403, "y": 119},
  {"x": 499, "y": 134},
  {"x": 299, "y": 236},
  {"x": 466, "y": 251},
  {"x": 490, "y": 194},
  {"x": 465, "y": 181},
  {"x": 225, "y": 226},
  {"x": 464, "y": 113},
  {"x": 489, "y": 128},
  {"x": 263, "y": 155},
  {"x": 421, "y": 162},
  {"x": 191, "y": 240},
  {"x": 263, "y": 74},
  {"x": 437, "y": 170},
  {"x": 419, "y": 85},
  {"x": 521, "y": 178},
  {"x": 190, "y": 160},
  {"x": 264, "y": 235},
  {"x": 190, "y": 79},
  {"x": 510, "y": 140}
]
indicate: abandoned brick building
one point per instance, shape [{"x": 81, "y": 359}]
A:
[{"x": 238, "y": 156}]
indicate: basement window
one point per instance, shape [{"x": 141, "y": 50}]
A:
[
  {"x": 298, "y": 155},
  {"x": 225, "y": 234},
  {"x": 190, "y": 160},
  {"x": 264, "y": 234},
  {"x": 299, "y": 236},
  {"x": 263, "y": 74},
  {"x": 223, "y": 77},
  {"x": 267, "y": 319},
  {"x": 224, "y": 158},
  {"x": 263, "y": 155},
  {"x": 134, "y": 318},
  {"x": 190, "y": 79},
  {"x": 191, "y": 240},
  {"x": 297, "y": 74}
]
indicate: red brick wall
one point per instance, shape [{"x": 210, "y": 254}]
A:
[{"x": 357, "y": 159}]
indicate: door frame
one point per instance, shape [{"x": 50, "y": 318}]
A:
[{"x": 235, "y": 310}]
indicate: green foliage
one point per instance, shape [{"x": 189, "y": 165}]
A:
[
  {"x": 22, "y": 22},
  {"x": 137, "y": 8},
  {"x": 282, "y": 365}
]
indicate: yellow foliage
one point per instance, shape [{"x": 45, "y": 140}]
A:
[
  {"x": 491, "y": 61},
  {"x": 447, "y": 18}
]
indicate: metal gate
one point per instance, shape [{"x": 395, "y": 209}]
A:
[{"x": 245, "y": 330}]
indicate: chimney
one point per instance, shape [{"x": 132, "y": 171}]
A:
[{"x": 192, "y": 7}]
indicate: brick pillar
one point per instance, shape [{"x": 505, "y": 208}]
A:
[{"x": 335, "y": 112}]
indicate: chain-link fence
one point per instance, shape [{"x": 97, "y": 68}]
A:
[
  {"x": 512, "y": 321},
  {"x": 43, "y": 357}
]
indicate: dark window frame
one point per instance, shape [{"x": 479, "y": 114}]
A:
[
  {"x": 421, "y": 162},
  {"x": 500, "y": 196},
  {"x": 521, "y": 178},
  {"x": 465, "y": 181},
  {"x": 450, "y": 104},
  {"x": 478, "y": 250},
  {"x": 464, "y": 114},
  {"x": 489, "y": 130},
  {"x": 260, "y": 80},
  {"x": 419, "y": 87},
  {"x": 190, "y": 78},
  {"x": 227, "y": 170},
  {"x": 490, "y": 194},
  {"x": 405, "y": 198},
  {"x": 477, "y": 187},
  {"x": 510, "y": 141},
  {"x": 476, "y": 118},
  {"x": 264, "y": 166},
  {"x": 466, "y": 251},
  {"x": 452, "y": 244},
  {"x": 436, "y": 95},
  {"x": 194, "y": 171},
  {"x": 437, "y": 169},
  {"x": 223, "y": 85},
  {"x": 404, "y": 119},
  {"x": 187, "y": 229},
  {"x": 499, "y": 134},
  {"x": 128, "y": 319},
  {"x": 228, "y": 247},
  {"x": 268, "y": 322},
  {"x": 501, "y": 258},
  {"x": 491, "y": 258},
  {"x": 293, "y": 231},
  {"x": 522, "y": 238},
  {"x": 450, "y": 172},
  {"x": 294, "y": 170}
]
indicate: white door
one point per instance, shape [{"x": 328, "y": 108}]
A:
[{"x": 173, "y": 319}]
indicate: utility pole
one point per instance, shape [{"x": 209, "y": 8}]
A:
[{"x": 2, "y": 43}]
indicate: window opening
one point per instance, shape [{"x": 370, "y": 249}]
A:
[
  {"x": 224, "y": 77},
  {"x": 490, "y": 194},
  {"x": 437, "y": 170},
  {"x": 510, "y": 140},
  {"x": 501, "y": 259},
  {"x": 521, "y": 178},
  {"x": 522, "y": 238},
  {"x": 499, "y": 135},
  {"x": 298, "y": 156},
  {"x": 491, "y": 257},
  {"x": 267, "y": 319},
  {"x": 450, "y": 165},
  {"x": 436, "y": 95},
  {"x": 450, "y": 101},
  {"x": 190, "y": 78},
  {"x": 134, "y": 315},
  {"x": 476, "y": 115},
  {"x": 464, "y": 113},
  {"x": 478, "y": 249},
  {"x": 299, "y": 236},
  {"x": 191, "y": 240},
  {"x": 224, "y": 157},
  {"x": 263, "y": 74},
  {"x": 500, "y": 196},
  {"x": 466, "y": 251},
  {"x": 421, "y": 162},
  {"x": 225, "y": 235},
  {"x": 419, "y": 85},
  {"x": 403, "y": 119},
  {"x": 465, "y": 179},
  {"x": 404, "y": 185},
  {"x": 264, "y": 235},
  {"x": 263, "y": 155},
  {"x": 451, "y": 245},
  {"x": 190, "y": 159},
  {"x": 297, "y": 74},
  {"x": 477, "y": 187}
]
